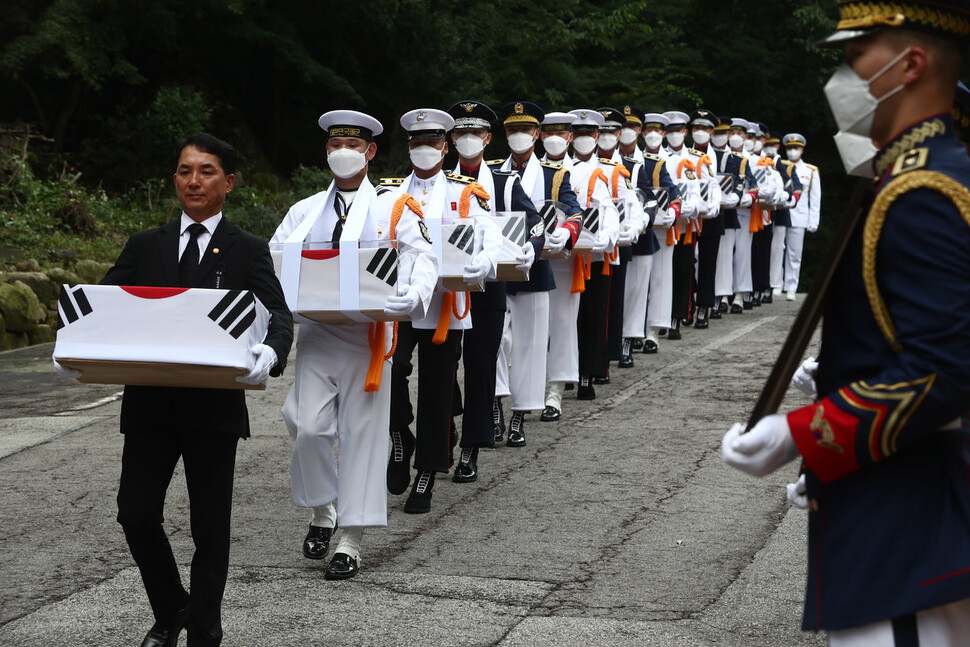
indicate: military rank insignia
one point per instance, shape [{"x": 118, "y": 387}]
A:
[
  {"x": 911, "y": 160},
  {"x": 424, "y": 230}
]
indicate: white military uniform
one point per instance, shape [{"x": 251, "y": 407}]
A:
[
  {"x": 661, "y": 297},
  {"x": 805, "y": 215},
  {"x": 327, "y": 399}
]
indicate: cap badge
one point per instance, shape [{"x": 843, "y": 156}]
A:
[
  {"x": 626, "y": 110},
  {"x": 519, "y": 109},
  {"x": 421, "y": 116},
  {"x": 584, "y": 115},
  {"x": 468, "y": 106}
]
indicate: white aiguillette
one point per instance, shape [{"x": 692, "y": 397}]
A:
[{"x": 159, "y": 336}]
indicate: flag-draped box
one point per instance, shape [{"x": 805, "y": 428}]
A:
[
  {"x": 159, "y": 336},
  {"x": 455, "y": 242},
  {"x": 592, "y": 221},
  {"x": 553, "y": 214},
  {"x": 515, "y": 233},
  {"x": 339, "y": 282}
]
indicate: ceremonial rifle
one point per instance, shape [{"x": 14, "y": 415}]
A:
[{"x": 801, "y": 331}]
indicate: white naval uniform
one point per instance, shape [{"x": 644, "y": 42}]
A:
[
  {"x": 805, "y": 215},
  {"x": 724, "y": 270},
  {"x": 639, "y": 273},
  {"x": 741, "y": 254},
  {"x": 660, "y": 300},
  {"x": 776, "y": 264},
  {"x": 327, "y": 399}
]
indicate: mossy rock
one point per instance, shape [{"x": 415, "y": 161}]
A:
[
  {"x": 20, "y": 307},
  {"x": 29, "y": 265},
  {"x": 3, "y": 326},
  {"x": 14, "y": 340},
  {"x": 60, "y": 276},
  {"x": 91, "y": 272},
  {"x": 41, "y": 334},
  {"x": 46, "y": 290}
]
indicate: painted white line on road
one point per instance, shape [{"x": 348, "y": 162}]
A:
[{"x": 92, "y": 405}]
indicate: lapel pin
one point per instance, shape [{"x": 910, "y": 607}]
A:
[{"x": 215, "y": 250}]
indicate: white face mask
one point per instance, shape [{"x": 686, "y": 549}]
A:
[
  {"x": 346, "y": 162},
  {"x": 426, "y": 157},
  {"x": 701, "y": 137},
  {"x": 719, "y": 141},
  {"x": 748, "y": 145},
  {"x": 520, "y": 142},
  {"x": 857, "y": 153},
  {"x": 853, "y": 106},
  {"x": 584, "y": 145},
  {"x": 653, "y": 140},
  {"x": 608, "y": 141},
  {"x": 758, "y": 146},
  {"x": 736, "y": 141},
  {"x": 794, "y": 154},
  {"x": 470, "y": 146},
  {"x": 555, "y": 145},
  {"x": 771, "y": 151},
  {"x": 628, "y": 136},
  {"x": 676, "y": 140}
]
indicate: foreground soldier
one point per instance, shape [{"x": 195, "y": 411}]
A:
[
  {"x": 886, "y": 446},
  {"x": 330, "y": 397}
]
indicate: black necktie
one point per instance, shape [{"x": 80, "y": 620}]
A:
[
  {"x": 189, "y": 262},
  {"x": 341, "y": 209}
]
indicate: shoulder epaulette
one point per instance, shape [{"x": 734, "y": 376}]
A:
[
  {"x": 551, "y": 164},
  {"x": 694, "y": 151},
  {"x": 911, "y": 160},
  {"x": 739, "y": 155},
  {"x": 464, "y": 179},
  {"x": 652, "y": 156},
  {"x": 392, "y": 181},
  {"x": 495, "y": 162},
  {"x": 811, "y": 166},
  {"x": 605, "y": 160}
]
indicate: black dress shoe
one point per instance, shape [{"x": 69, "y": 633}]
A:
[
  {"x": 399, "y": 463},
  {"x": 637, "y": 344},
  {"x": 467, "y": 469},
  {"x": 722, "y": 307},
  {"x": 662, "y": 332},
  {"x": 626, "y": 361},
  {"x": 585, "y": 390},
  {"x": 316, "y": 544},
  {"x": 342, "y": 567},
  {"x": 715, "y": 313},
  {"x": 748, "y": 304},
  {"x": 517, "y": 430},
  {"x": 570, "y": 386},
  {"x": 702, "y": 316},
  {"x": 601, "y": 379},
  {"x": 674, "y": 333},
  {"x": 767, "y": 298},
  {"x": 498, "y": 419},
  {"x": 650, "y": 347},
  {"x": 419, "y": 501},
  {"x": 166, "y": 634},
  {"x": 736, "y": 309},
  {"x": 756, "y": 301},
  {"x": 550, "y": 414}
]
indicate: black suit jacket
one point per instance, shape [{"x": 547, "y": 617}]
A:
[{"x": 150, "y": 258}]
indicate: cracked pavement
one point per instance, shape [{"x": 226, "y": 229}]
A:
[{"x": 616, "y": 525}]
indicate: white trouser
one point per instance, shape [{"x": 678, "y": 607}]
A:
[
  {"x": 661, "y": 300},
  {"x": 776, "y": 270},
  {"x": 562, "y": 364},
  {"x": 502, "y": 363},
  {"x": 794, "y": 238},
  {"x": 554, "y": 394},
  {"x": 724, "y": 271},
  {"x": 944, "y": 626},
  {"x": 635, "y": 291},
  {"x": 742, "y": 253},
  {"x": 529, "y": 313},
  {"x": 327, "y": 402}
]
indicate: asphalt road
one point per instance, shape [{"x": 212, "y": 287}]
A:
[{"x": 618, "y": 525}]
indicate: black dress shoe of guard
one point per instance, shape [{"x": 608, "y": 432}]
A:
[
  {"x": 601, "y": 379},
  {"x": 650, "y": 347},
  {"x": 317, "y": 542},
  {"x": 399, "y": 463},
  {"x": 674, "y": 333},
  {"x": 467, "y": 469},
  {"x": 702, "y": 316},
  {"x": 498, "y": 419},
  {"x": 517, "y": 430},
  {"x": 767, "y": 298},
  {"x": 736, "y": 309},
  {"x": 722, "y": 307},
  {"x": 637, "y": 344},
  {"x": 167, "y": 634},
  {"x": 419, "y": 501},
  {"x": 342, "y": 567},
  {"x": 756, "y": 301},
  {"x": 550, "y": 414},
  {"x": 748, "y": 304},
  {"x": 715, "y": 313},
  {"x": 585, "y": 390},
  {"x": 626, "y": 361},
  {"x": 570, "y": 386},
  {"x": 662, "y": 332}
]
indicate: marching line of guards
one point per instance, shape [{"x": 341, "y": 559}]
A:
[{"x": 623, "y": 245}]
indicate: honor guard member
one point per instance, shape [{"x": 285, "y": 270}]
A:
[
  {"x": 885, "y": 446},
  {"x": 702, "y": 125},
  {"x": 341, "y": 390},
  {"x": 437, "y": 335},
  {"x": 562, "y": 366},
  {"x": 528, "y": 316},
  {"x": 646, "y": 295},
  {"x": 630, "y": 133},
  {"x": 805, "y": 214},
  {"x": 781, "y": 217},
  {"x": 472, "y": 133},
  {"x": 691, "y": 166},
  {"x": 761, "y": 239}
]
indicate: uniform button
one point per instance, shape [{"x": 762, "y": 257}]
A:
[
  {"x": 426, "y": 192},
  {"x": 423, "y": 203}
]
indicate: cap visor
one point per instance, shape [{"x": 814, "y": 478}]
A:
[{"x": 843, "y": 36}]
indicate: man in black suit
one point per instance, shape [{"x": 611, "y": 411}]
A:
[{"x": 202, "y": 426}]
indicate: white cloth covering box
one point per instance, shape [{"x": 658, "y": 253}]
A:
[
  {"x": 325, "y": 295},
  {"x": 553, "y": 214},
  {"x": 515, "y": 233},
  {"x": 455, "y": 241},
  {"x": 159, "y": 336},
  {"x": 591, "y": 225}
]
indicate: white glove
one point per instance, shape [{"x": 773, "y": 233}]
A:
[
  {"x": 477, "y": 272},
  {"x": 745, "y": 200},
  {"x": 557, "y": 240},
  {"x": 791, "y": 202},
  {"x": 766, "y": 193},
  {"x": 526, "y": 258},
  {"x": 804, "y": 377},
  {"x": 602, "y": 243},
  {"x": 69, "y": 373},
  {"x": 761, "y": 451},
  {"x": 666, "y": 217},
  {"x": 265, "y": 360},
  {"x": 731, "y": 200},
  {"x": 812, "y": 229},
  {"x": 688, "y": 209},
  {"x": 627, "y": 235},
  {"x": 402, "y": 304},
  {"x": 796, "y": 493}
]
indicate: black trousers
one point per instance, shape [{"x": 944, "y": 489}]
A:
[
  {"x": 594, "y": 305},
  {"x": 147, "y": 464},
  {"x": 480, "y": 354},
  {"x": 436, "y": 378},
  {"x": 706, "y": 269},
  {"x": 761, "y": 259},
  {"x": 614, "y": 325},
  {"x": 683, "y": 283}
]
